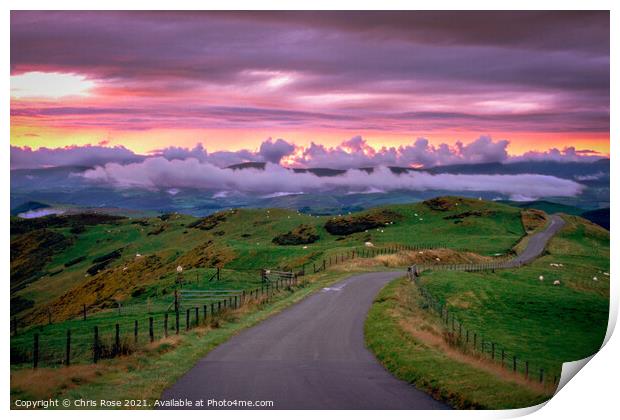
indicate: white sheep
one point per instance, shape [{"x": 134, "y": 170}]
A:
[
  {"x": 437, "y": 259},
  {"x": 369, "y": 244},
  {"x": 305, "y": 247},
  {"x": 138, "y": 255},
  {"x": 607, "y": 274},
  {"x": 541, "y": 278},
  {"x": 595, "y": 278},
  {"x": 556, "y": 283}
]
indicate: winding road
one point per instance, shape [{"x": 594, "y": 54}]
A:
[
  {"x": 536, "y": 244},
  {"x": 312, "y": 355}
]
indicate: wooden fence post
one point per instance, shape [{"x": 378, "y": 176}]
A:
[
  {"x": 542, "y": 375},
  {"x": 527, "y": 369},
  {"x": 514, "y": 364},
  {"x": 117, "y": 340},
  {"x": 166, "y": 325},
  {"x": 196, "y": 314},
  {"x": 176, "y": 313},
  {"x": 68, "y": 349},
  {"x": 84, "y": 311},
  {"x": 96, "y": 345},
  {"x": 151, "y": 336},
  {"x": 135, "y": 331},
  {"x": 493, "y": 351},
  {"x": 204, "y": 313},
  {"x": 35, "y": 351},
  {"x": 187, "y": 319}
]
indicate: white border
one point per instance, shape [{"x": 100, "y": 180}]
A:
[{"x": 591, "y": 394}]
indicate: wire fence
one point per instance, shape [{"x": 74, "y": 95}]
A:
[
  {"x": 362, "y": 252},
  {"x": 100, "y": 338},
  {"x": 470, "y": 341},
  {"x": 192, "y": 299}
]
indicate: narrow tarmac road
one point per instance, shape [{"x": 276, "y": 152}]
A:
[
  {"x": 310, "y": 356},
  {"x": 536, "y": 244}
]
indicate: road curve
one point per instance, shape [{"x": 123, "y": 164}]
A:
[
  {"x": 537, "y": 243},
  {"x": 310, "y": 356}
]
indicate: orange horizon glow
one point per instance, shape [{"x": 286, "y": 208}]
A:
[{"x": 235, "y": 139}]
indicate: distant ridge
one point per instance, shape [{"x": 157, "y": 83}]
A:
[{"x": 567, "y": 170}]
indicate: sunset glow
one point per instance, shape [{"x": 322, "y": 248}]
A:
[{"x": 232, "y": 80}]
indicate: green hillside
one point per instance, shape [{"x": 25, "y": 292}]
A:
[{"x": 99, "y": 260}]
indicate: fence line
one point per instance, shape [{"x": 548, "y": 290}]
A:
[
  {"x": 126, "y": 329},
  {"x": 365, "y": 252},
  {"x": 122, "y": 337},
  {"x": 472, "y": 341}
]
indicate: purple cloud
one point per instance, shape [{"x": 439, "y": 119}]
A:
[
  {"x": 274, "y": 151},
  {"x": 88, "y": 155},
  {"x": 350, "y": 154},
  {"x": 549, "y": 70},
  {"x": 159, "y": 173}
]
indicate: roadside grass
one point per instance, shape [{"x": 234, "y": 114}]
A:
[
  {"x": 147, "y": 372},
  {"x": 541, "y": 322},
  {"x": 408, "y": 341}
]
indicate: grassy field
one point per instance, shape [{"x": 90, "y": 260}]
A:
[
  {"x": 240, "y": 240},
  {"x": 409, "y": 341},
  {"x": 534, "y": 319},
  {"x": 545, "y": 323}
]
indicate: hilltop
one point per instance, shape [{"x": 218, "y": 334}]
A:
[{"x": 97, "y": 259}]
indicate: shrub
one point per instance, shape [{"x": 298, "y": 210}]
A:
[
  {"x": 353, "y": 224},
  {"x": 302, "y": 234}
]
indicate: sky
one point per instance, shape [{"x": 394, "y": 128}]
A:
[{"x": 335, "y": 89}]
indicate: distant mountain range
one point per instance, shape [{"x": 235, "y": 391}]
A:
[{"x": 63, "y": 187}]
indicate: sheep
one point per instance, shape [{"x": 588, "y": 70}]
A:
[
  {"x": 437, "y": 259},
  {"x": 556, "y": 283},
  {"x": 305, "y": 247},
  {"x": 138, "y": 255},
  {"x": 607, "y": 274},
  {"x": 369, "y": 244},
  {"x": 595, "y": 278},
  {"x": 541, "y": 278}
]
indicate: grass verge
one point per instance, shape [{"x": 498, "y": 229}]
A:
[{"x": 409, "y": 342}]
